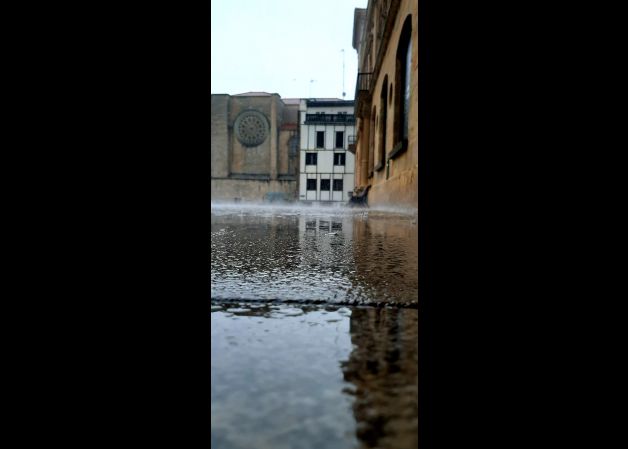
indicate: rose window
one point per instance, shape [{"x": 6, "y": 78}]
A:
[{"x": 251, "y": 128}]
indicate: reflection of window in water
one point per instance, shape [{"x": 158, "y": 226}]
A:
[
  {"x": 336, "y": 226},
  {"x": 310, "y": 225}
]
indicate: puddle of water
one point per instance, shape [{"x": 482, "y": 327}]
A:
[
  {"x": 343, "y": 378},
  {"x": 276, "y": 382},
  {"x": 297, "y": 359}
]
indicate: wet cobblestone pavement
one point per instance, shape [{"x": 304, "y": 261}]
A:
[{"x": 314, "y": 328}]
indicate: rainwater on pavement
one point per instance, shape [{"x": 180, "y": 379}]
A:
[{"x": 314, "y": 323}]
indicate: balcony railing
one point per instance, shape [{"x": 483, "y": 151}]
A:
[
  {"x": 362, "y": 88},
  {"x": 363, "y": 82},
  {"x": 348, "y": 119}
]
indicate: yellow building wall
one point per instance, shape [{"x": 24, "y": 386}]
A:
[{"x": 400, "y": 190}]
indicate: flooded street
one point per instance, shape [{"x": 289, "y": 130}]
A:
[{"x": 314, "y": 328}]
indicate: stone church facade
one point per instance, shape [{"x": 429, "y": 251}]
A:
[{"x": 254, "y": 147}]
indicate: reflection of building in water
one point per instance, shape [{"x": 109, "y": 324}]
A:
[
  {"x": 385, "y": 35},
  {"x": 254, "y": 146},
  {"x": 325, "y": 242},
  {"x": 386, "y": 258},
  {"x": 335, "y": 225},
  {"x": 383, "y": 367}
]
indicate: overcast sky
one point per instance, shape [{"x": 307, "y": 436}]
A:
[{"x": 279, "y": 46}]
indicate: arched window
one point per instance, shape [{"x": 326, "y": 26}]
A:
[
  {"x": 383, "y": 109},
  {"x": 372, "y": 141},
  {"x": 402, "y": 86}
]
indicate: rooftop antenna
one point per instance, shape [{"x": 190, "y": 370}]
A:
[{"x": 343, "y": 73}]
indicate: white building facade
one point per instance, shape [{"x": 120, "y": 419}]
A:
[{"x": 327, "y": 169}]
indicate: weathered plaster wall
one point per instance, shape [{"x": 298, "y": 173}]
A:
[
  {"x": 219, "y": 136},
  {"x": 250, "y": 160},
  {"x": 284, "y": 140}
]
